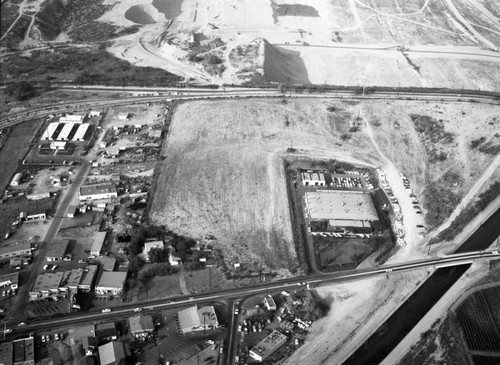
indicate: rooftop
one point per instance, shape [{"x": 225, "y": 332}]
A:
[
  {"x": 112, "y": 279},
  {"x": 269, "y": 344},
  {"x": 72, "y": 278},
  {"x": 9, "y": 279},
  {"x": 336, "y": 204},
  {"x": 194, "y": 318},
  {"x": 57, "y": 249},
  {"x": 47, "y": 281},
  {"x": 97, "y": 189},
  {"x": 97, "y": 242},
  {"x": 111, "y": 353},
  {"x": 88, "y": 275},
  {"x": 19, "y": 246},
  {"x": 141, "y": 323},
  {"x": 23, "y": 350}
]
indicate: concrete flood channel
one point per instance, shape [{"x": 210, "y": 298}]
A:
[{"x": 385, "y": 339}]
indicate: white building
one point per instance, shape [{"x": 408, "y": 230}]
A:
[
  {"x": 16, "y": 180},
  {"x": 51, "y": 128},
  {"x": 268, "y": 346},
  {"x": 58, "y": 145},
  {"x": 72, "y": 118},
  {"x": 313, "y": 178},
  {"x": 149, "y": 245},
  {"x": 110, "y": 283},
  {"x": 98, "y": 191},
  {"x": 193, "y": 319},
  {"x": 65, "y": 131},
  {"x": 80, "y": 133}
]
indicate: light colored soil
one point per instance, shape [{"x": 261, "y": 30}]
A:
[
  {"x": 350, "y": 320},
  {"x": 223, "y": 171}
]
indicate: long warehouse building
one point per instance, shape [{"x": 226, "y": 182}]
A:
[
  {"x": 80, "y": 133},
  {"x": 48, "y": 134},
  {"x": 63, "y": 136}
]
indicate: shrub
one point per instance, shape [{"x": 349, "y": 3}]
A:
[
  {"x": 20, "y": 91},
  {"x": 213, "y": 59}
]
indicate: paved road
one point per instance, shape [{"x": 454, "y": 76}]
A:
[
  {"x": 236, "y": 293},
  {"x": 23, "y": 296}
]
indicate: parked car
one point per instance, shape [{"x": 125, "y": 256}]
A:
[{"x": 106, "y": 310}]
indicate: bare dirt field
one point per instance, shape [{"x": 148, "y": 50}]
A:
[
  {"x": 223, "y": 173},
  {"x": 222, "y": 170},
  {"x": 350, "y": 321},
  {"x": 452, "y": 39}
]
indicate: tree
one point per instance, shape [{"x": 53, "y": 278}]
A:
[{"x": 22, "y": 90}]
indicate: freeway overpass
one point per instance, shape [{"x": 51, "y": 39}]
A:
[{"x": 236, "y": 293}]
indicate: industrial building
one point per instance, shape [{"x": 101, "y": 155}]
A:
[
  {"x": 46, "y": 285},
  {"x": 110, "y": 283},
  {"x": 88, "y": 278},
  {"x": 57, "y": 250},
  {"x": 80, "y": 133},
  {"x": 17, "y": 250},
  {"x": 72, "y": 118},
  {"x": 49, "y": 132},
  {"x": 193, "y": 319},
  {"x": 313, "y": 178},
  {"x": 97, "y": 243},
  {"x": 343, "y": 210},
  {"x": 36, "y": 213},
  {"x": 98, "y": 192},
  {"x": 268, "y": 346},
  {"x": 16, "y": 180},
  {"x": 23, "y": 351},
  {"x": 141, "y": 326},
  {"x": 70, "y": 281},
  {"x": 58, "y": 145}
]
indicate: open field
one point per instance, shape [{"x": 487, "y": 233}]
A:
[
  {"x": 222, "y": 171},
  {"x": 15, "y": 148},
  {"x": 479, "y": 318}
]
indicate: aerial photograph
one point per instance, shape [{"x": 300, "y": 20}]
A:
[{"x": 222, "y": 182}]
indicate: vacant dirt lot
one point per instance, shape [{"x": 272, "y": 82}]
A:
[{"x": 222, "y": 171}]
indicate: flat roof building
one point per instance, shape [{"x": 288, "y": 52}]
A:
[
  {"x": 110, "y": 283},
  {"x": 269, "y": 303},
  {"x": 313, "y": 178},
  {"x": 268, "y": 346},
  {"x": 88, "y": 278},
  {"x": 71, "y": 280},
  {"x": 16, "y": 250},
  {"x": 193, "y": 319},
  {"x": 98, "y": 191},
  {"x": 36, "y": 213},
  {"x": 97, "y": 243},
  {"x": 46, "y": 284},
  {"x": 23, "y": 351},
  {"x": 6, "y": 353},
  {"x": 336, "y": 204},
  {"x": 72, "y": 118},
  {"x": 57, "y": 250}
]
